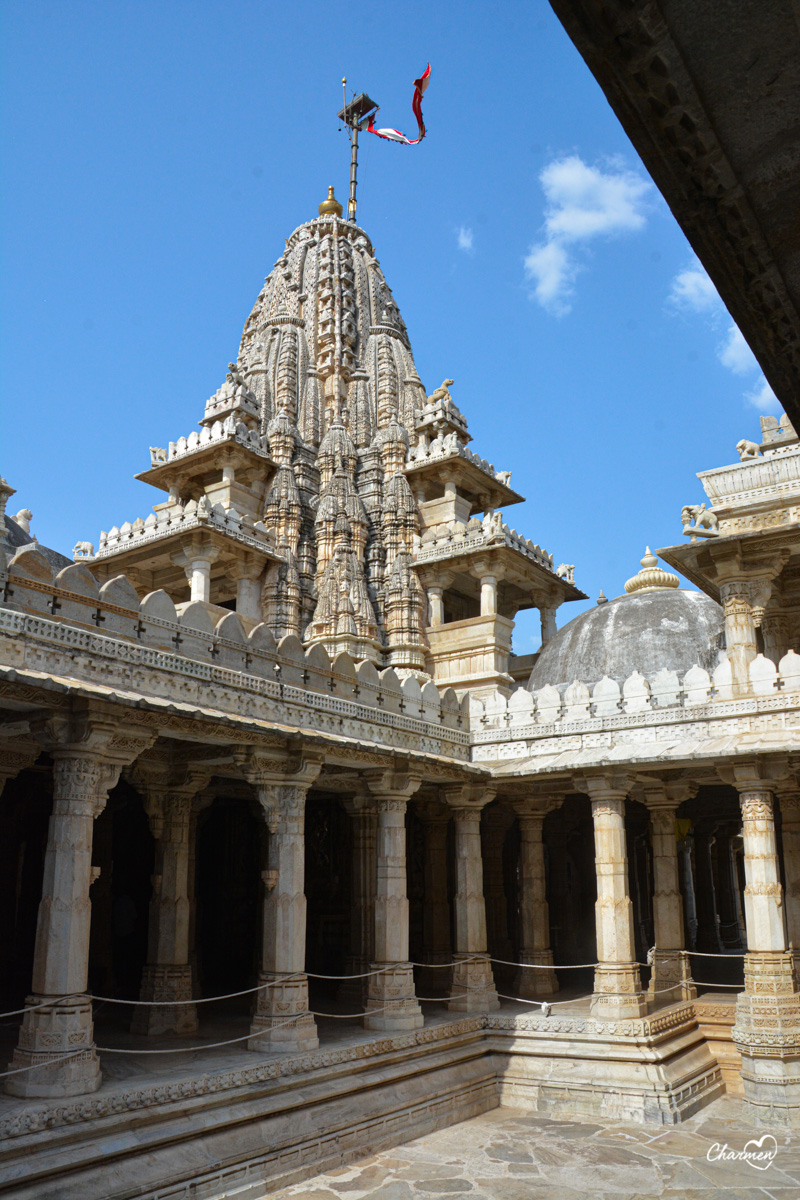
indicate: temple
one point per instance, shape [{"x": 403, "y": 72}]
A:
[{"x": 277, "y": 792}]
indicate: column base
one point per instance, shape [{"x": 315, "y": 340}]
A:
[
  {"x": 767, "y": 1033},
  {"x": 167, "y": 983},
  {"x": 538, "y": 983},
  {"x": 671, "y": 978},
  {"x": 618, "y": 992},
  {"x": 48, "y": 1041},
  {"x": 473, "y": 987},
  {"x": 282, "y": 1021},
  {"x": 393, "y": 992}
]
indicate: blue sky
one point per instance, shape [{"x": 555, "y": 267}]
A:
[{"x": 157, "y": 154}]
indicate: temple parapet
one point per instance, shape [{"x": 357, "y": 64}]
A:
[
  {"x": 606, "y": 698},
  {"x": 110, "y": 632}
]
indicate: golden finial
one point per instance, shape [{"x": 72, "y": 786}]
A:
[
  {"x": 330, "y": 206},
  {"x": 651, "y": 578}
]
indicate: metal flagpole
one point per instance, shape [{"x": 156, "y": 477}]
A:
[{"x": 355, "y": 116}]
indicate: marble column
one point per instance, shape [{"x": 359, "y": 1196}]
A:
[
  {"x": 488, "y": 595},
  {"x": 775, "y": 629},
  {"x": 767, "y": 1026},
  {"x": 436, "y": 950},
  {"x": 391, "y": 1000},
  {"x": 167, "y": 976},
  {"x": 617, "y": 979},
  {"x": 495, "y": 825},
  {"x": 435, "y": 606},
  {"x": 708, "y": 938},
  {"x": 364, "y": 825},
  {"x": 534, "y": 912},
  {"x": 687, "y": 875},
  {"x": 730, "y": 931},
  {"x": 281, "y": 1020},
  {"x": 670, "y": 978},
  {"x": 790, "y": 818},
  {"x": 743, "y": 602},
  {"x": 56, "y": 1040},
  {"x": 473, "y": 987}
]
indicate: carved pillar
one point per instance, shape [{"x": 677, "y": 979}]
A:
[
  {"x": 248, "y": 576},
  {"x": 775, "y": 629},
  {"x": 617, "y": 981},
  {"x": 708, "y": 938},
  {"x": 743, "y": 602},
  {"x": 391, "y": 1001},
  {"x": 494, "y": 828},
  {"x": 56, "y": 1041},
  {"x": 488, "y": 595},
  {"x": 435, "y": 606},
  {"x": 727, "y": 887},
  {"x": 790, "y": 816},
  {"x": 364, "y": 825},
  {"x": 533, "y": 908},
  {"x": 670, "y": 978},
  {"x": 167, "y": 976},
  {"x": 435, "y": 819},
  {"x": 767, "y": 1027},
  {"x": 281, "y": 1020},
  {"x": 687, "y": 875},
  {"x": 473, "y": 987},
  {"x": 547, "y": 615}
]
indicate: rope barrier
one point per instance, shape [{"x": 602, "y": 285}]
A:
[
  {"x": 546, "y": 1007},
  {"x": 708, "y": 954},
  {"x": 74, "y": 997}
]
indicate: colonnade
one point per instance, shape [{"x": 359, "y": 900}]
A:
[{"x": 55, "y": 1055}]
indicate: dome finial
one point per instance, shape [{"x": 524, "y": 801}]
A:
[
  {"x": 330, "y": 206},
  {"x": 651, "y": 578}
]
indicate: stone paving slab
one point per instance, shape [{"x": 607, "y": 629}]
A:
[{"x": 512, "y": 1154}]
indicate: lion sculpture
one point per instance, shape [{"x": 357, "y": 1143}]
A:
[
  {"x": 747, "y": 449},
  {"x": 442, "y": 393}
]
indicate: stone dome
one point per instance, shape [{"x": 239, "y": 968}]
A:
[{"x": 645, "y": 632}]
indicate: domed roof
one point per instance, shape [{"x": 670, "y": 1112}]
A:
[{"x": 645, "y": 632}]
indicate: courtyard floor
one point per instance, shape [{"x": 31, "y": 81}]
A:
[{"x": 511, "y": 1154}]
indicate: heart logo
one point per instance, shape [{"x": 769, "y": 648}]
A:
[{"x": 760, "y": 1154}]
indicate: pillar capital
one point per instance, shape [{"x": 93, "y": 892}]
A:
[
  {"x": 756, "y": 774},
  {"x": 605, "y": 785},
  {"x": 468, "y": 797},
  {"x": 392, "y": 784},
  {"x": 666, "y": 796},
  {"x": 168, "y": 792},
  {"x": 432, "y": 812},
  {"x": 536, "y": 807},
  {"x": 281, "y": 782},
  {"x": 18, "y": 749}
]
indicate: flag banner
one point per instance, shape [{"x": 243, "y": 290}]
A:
[{"x": 394, "y": 135}]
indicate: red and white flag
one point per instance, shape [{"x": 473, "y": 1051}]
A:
[{"x": 394, "y": 135}]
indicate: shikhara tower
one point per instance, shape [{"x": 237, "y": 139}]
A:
[{"x": 329, "y": 497}]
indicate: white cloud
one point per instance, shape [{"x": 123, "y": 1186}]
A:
[
  {"x": 465, "y": 239},
  {"x": 552, "y": 272},
  {"x": 735, "y": 354},
  {"x": 582, "y": 202},
  {"x": 692, "y": 291},
  {"x": 763, "y": 398}
]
